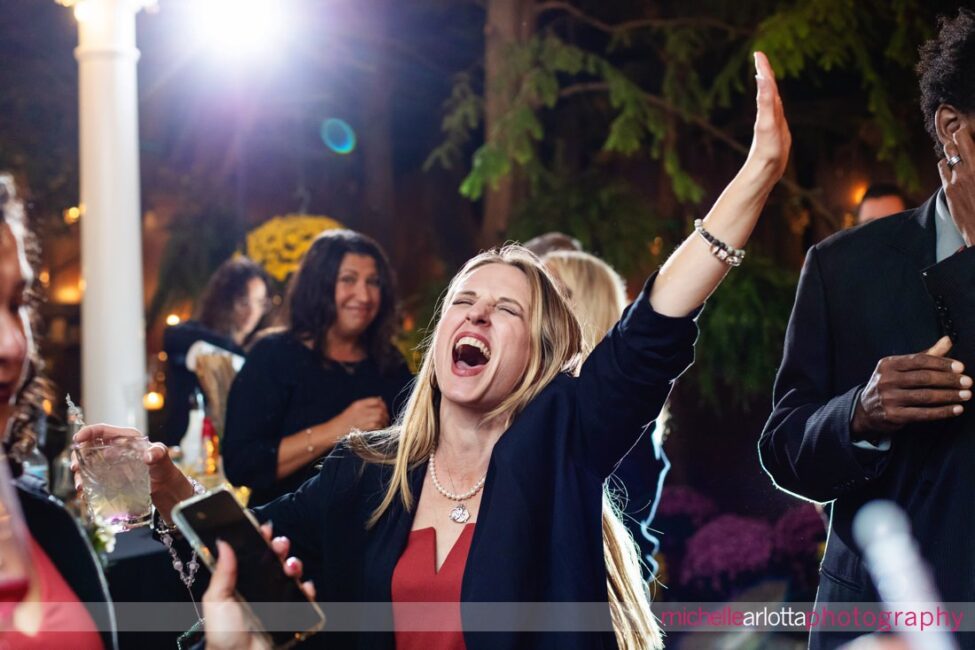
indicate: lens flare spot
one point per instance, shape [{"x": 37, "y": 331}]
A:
[{"x": 338, "y": 135}]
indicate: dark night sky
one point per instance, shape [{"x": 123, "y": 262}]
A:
[{"x": 194, "y": 103}]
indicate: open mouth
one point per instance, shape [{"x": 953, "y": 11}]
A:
[{"x": 470, "y": 352}]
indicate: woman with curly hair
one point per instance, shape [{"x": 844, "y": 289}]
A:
[
  {"x": 332, "y": 369},
  {"x": 67, "y": 592}
]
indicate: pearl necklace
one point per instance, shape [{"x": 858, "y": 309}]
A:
[{"x": 459, "y": 514}]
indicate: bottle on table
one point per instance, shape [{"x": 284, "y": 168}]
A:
[
  {"x": 191, "y": 445},
  {"x": 211, "y": 448},
  {"x": 62, "y": 478},
  {"x": 36, "y": 463}
]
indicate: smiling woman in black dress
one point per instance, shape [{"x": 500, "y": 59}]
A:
[{"x": 333, "y": 369}]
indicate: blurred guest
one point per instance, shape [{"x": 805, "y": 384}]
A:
[
  {"x": 880, "y": 200},
  {"x": 233, "y": 303},
  {"x": 552, "y": 241},
  {"x": 597, "y": 295},
  {"x": 873, "y": 397},
  {"x": 67, "y": 591},
  {"x": 332, "y": 370}
]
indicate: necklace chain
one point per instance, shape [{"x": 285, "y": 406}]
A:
[{"x": 450, "y": 495}]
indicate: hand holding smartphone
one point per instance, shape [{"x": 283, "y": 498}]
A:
[{"x": 275, "y": 602}]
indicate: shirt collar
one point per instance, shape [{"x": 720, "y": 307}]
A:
[{"x": 948, "y": 237}]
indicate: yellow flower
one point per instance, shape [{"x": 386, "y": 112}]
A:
[{"x": 279, "y": 243}]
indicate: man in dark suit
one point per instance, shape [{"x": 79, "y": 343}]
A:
[{"x": 873, "y": 398}]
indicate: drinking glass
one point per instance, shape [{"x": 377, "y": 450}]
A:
[{"x": 115, "y": 479}]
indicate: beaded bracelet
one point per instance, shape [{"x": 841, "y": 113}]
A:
[
  {"x": 160, "y": 527},
  {"x": 165, "y": 534},
  {"x": 727, "y": 254}
]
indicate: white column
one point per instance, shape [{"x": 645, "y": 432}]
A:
[{"x": 112, "y": 313}]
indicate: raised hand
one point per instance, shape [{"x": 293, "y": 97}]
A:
[
  {"x": 958, "y": 180},
  {"x": 912, "y": 388},
  {"x": 693, "y": 272},
  {"x": 772, "y": 140}
]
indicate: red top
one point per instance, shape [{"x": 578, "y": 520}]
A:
[
  {"x": 426, "y": 625},
  {"x": 65, "y": 622}
]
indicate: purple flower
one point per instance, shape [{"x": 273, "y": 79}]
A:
[
  {"x": 682, "y": 501},
  {"x": 725, "y": 553},
  {"x": 799, "y": 532}
]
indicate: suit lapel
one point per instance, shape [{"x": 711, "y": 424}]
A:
[
  {"x": 383, "y": 547},
  {"x": 914, "y": 242},
  {"x": 388, "y": 540}
]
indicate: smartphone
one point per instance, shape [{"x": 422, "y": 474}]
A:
[{"x": 275, "y": 601}]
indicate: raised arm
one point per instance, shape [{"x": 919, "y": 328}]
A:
[
  {"x": 626, "y": 379},
  {"x": 693, "y": 272}
]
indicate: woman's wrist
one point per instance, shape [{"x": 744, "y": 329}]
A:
[
  {"x": 758, "y": 176},
  {"x": 165, "y": 500}
]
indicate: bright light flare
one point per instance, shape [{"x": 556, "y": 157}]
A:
[
  {"x": 240, "y": 28},
  {"x": 153, "y": 401},
  {"x": 82, "y": 11}
]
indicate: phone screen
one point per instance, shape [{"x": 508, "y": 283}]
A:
[{"x": 276, "y": 600}]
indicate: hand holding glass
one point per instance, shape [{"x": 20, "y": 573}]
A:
[{"x": 115, "y": 479}]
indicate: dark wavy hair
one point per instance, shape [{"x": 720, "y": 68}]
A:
[
  {"x": 227, "y": 285},
  {"x": 310, "y": 306},
  {"x": 29, "y": 403},
  {"x": 947, "y": 70}
]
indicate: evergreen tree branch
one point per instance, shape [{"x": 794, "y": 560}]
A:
[
  {"x": 640, "y": 23},
  {"x": 810, "y": 196}
]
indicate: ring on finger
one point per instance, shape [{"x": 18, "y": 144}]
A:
[{"x": 953, "y": 160}]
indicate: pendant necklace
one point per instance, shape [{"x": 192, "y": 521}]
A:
[
  {"x": 348, "y": 366},
  {"x": 459, "y": 514}
]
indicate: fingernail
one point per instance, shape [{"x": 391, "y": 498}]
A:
[
  {"x": 965, "y": 394},
  {"x": 957, "y": 366},
  {"x": 291, "y": 562},
  {"x": 957, "y": 410},
  {"x": 966, "y": 382},
  {"x": 280, "y": 539}
]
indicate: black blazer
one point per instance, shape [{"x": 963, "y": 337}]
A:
[
  {"x": 864, "y": 294},
  {"x": 64, "y": 541},
  {"x": 538, "y": 536}
]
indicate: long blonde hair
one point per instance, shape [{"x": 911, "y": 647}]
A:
[
  {"x": 597, "y": 295},
  {"x": 556, "y": 347},
  {"x": 595, "y": 291}
]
